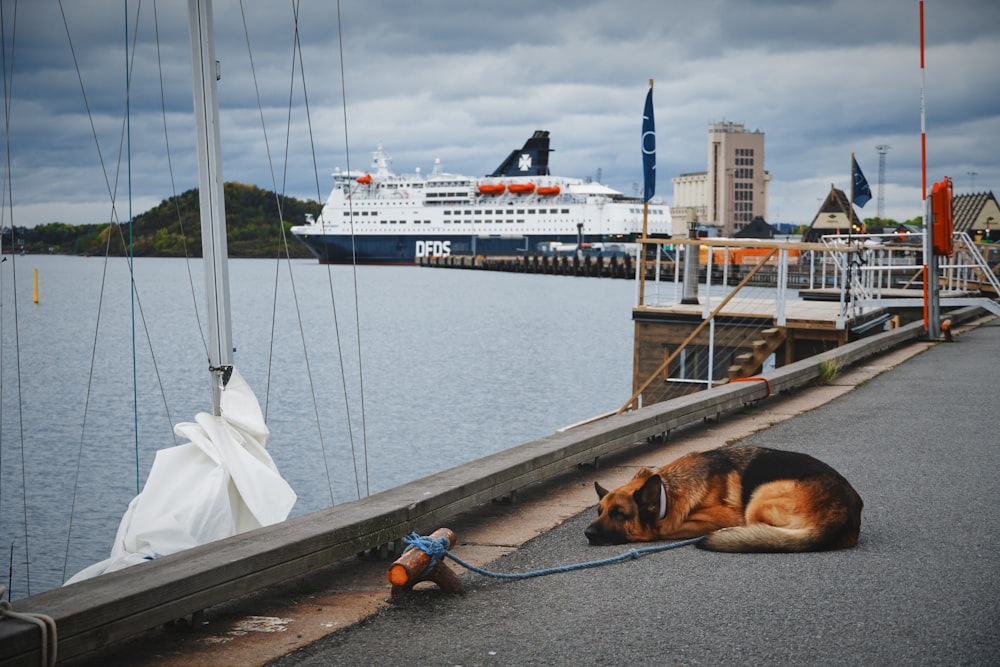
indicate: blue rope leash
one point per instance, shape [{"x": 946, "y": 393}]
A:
[{"x": 437, "y": 548}]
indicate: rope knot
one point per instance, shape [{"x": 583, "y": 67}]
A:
[
  {"x": 432, "y": 546},
  {"x": 435, "y": 547}
]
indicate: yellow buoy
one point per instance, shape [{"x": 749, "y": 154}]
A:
[{"x": 36, "y": 286}]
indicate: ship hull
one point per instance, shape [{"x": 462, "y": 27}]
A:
[{"x": 371, "y": 249}]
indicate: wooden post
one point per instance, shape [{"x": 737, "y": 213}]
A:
[{"x": 412, "y": 567}]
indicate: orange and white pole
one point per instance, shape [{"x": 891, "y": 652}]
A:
[{"x": 932, "y": 314}]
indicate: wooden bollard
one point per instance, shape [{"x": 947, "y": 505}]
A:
[{"x": 412, "y": 567}]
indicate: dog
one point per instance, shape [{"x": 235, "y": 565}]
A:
[{"x": 742, "y": 499}]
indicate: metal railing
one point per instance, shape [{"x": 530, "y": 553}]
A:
[{"x": 863, "y": 273}]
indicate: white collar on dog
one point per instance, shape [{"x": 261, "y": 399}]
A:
[{"x": 663, "y": 500}]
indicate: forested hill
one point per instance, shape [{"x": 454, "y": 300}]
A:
[{"x": 173, "y": 229}]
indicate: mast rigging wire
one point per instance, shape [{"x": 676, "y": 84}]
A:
[
  {"x": 133, "y": 287},
  {"x": 354, "y": 263},
  {"x": 291, "y": 278},
  {"x": 8, "y": 193}
]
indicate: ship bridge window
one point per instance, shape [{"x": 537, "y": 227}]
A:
[{"x": 565, "y": 210}]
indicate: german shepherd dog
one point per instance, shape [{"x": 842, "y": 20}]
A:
[{"x": 743, "y": 499}]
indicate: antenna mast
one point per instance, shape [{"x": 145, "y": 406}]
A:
[{"x": 882, "y": 150}]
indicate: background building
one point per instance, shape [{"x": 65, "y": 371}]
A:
[
  {"x": 734, "y": 188},
  {"x": 836, "y": 215}
]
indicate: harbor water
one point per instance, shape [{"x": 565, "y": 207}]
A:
[{"x": 369, "y": 378}]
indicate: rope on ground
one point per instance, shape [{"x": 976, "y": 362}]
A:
[
  {"x": 437, "y": 548},
  {"x": 45, "y": 624}
]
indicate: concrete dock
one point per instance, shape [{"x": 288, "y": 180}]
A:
[{"x": 919, "y": 443}]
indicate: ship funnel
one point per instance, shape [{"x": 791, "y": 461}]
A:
[{"x": 531, "y": 160}]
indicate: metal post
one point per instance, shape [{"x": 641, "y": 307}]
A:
[
  {"x": 691, "y": 253},
  {"x": 212, "y": 202}
]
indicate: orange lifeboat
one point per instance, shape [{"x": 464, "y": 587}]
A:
[
  {"x": 365, "y": 180},
  {"x": 521, "y": 188},
  {"x": 548, "y": 190},
  {"x": 492, "y": 188}
]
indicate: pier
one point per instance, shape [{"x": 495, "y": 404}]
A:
[
  {"x": 920, "y": 588},
  {"x": 97, "y": 613},
  {"x": 105, "y": 610},
  {"x": 717, "y": 321},
  {"x": 590, "y": 266}
]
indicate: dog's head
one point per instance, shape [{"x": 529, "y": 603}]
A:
[{"x": 629, "y": 513}]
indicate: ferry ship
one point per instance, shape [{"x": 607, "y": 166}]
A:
[{"x": 379, "y": 217}]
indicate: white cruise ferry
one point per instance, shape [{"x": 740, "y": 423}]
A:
[{"x": 379, "y": 217}]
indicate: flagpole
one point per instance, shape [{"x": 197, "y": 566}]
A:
[
  {"x": 850, "y": 203},
  {"x": 932, "y": 304},
  {"x": 642, "y": 244},
  {"x": 850, "y": 230}
]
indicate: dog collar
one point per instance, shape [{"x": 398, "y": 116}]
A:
[{"x": 663, "y": 500}]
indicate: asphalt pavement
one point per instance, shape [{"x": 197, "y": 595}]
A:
[{"x": 920, "y": 443}]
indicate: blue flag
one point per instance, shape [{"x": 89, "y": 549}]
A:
[
  {"x": 862, "y": 193},
  {"x": 648, "y": 148}
]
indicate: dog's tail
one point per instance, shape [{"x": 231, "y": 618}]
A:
[{"x": 761, "y": 537}]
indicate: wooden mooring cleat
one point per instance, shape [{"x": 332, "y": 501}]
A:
[{"x": 416, "y": 565}]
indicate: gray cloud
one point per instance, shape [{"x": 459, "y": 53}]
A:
[{"x": 466, "y": 82}]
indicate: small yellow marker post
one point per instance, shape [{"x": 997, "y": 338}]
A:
[{"x": 36, "y": 287}]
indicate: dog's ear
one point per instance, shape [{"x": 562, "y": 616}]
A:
[
  {"x": 601, "y": 491},
  {"x": 647, "y": 497}
]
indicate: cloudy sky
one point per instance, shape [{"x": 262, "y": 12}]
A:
[{"x": 467, "y": 81}]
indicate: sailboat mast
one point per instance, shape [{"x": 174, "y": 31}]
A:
[{"x": 212, "y": 203}]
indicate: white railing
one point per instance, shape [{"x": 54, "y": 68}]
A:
[
  {"x": 884, "y": 262},
  {"x": 861, "y": 272}
]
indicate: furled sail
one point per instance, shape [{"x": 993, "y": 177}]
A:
[{"x": 220, "y": 483}]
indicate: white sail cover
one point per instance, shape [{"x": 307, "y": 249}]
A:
[{"x": 221, "y": 483}]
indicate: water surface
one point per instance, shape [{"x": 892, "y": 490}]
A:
[{"x": 454, "y": 365}]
